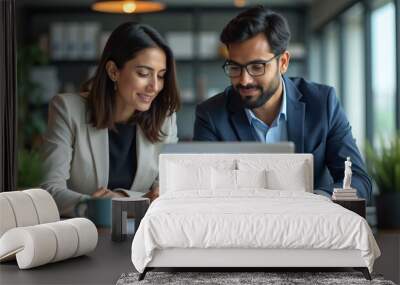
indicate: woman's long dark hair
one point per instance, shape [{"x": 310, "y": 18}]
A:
[{"x": 124, "y": 43}]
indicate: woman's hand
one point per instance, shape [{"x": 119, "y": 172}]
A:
[
  {"x": 103, "y": 192},
  {"x": 100, "y": 192},
  {"x": 153, "y": 193}
]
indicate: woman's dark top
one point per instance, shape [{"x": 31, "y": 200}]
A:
[{"x": 123, "y": 160}]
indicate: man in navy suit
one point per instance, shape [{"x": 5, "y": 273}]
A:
[{"x": 264, "y": 105}]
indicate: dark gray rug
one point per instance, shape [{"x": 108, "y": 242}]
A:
[{"x": 242, "y": 278}]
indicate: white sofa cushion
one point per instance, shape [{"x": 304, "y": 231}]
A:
[
  {"x": 40, "y": 244},
  {"x": 67, "y": 239},
  {"x": 87, "y": 235},
  {"x": 23, "y": 209},
  {"x": 34, "y": 244},
  {"x": 7, "y": 218},
  {"x": 27, "y": 208},
  {"x": 45, "y": 205}
]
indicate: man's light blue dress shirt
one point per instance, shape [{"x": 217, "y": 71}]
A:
[{"x": 275, "y": 133}]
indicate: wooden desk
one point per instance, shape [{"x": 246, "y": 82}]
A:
[{"x": 102, "y": 266}]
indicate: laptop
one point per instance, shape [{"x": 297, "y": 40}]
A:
[{"x": 228, "y": 147}]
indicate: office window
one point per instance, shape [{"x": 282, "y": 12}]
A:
[
  {"x": 354, "y": 91},
  {"x": 330, "y": 64},
  {"x": 383, "y": 71},
  {"x": 314, "y": 62}
]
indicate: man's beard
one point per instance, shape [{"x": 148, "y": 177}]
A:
[{"x": 249, "y": 102}]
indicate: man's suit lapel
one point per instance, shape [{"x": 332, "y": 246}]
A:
[
  {"x": 242, "y": 127},
  {"x": 238, "y": 117},
  {"x": 98, "y": 140},
  {"x": 295, "y": 115}
]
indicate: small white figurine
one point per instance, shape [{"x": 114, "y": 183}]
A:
[{"x": 347, "y": 174}]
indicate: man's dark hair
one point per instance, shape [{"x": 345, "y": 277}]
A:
[{"x": 257, "y": 20}]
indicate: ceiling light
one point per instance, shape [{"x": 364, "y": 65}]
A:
[
  {"x": 239, "y": 3},
  {"x": 127, "y": 6}
]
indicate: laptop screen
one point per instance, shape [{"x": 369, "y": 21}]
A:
[{"x": 228, "y": 147}]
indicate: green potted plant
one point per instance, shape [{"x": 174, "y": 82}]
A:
[
  {"x": 30, "y": 169},
  {"x": 31, "y": 121},
  {"x": 384, "y": 167}
]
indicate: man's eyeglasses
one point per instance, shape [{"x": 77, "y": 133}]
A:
[{"x": 255, "y": 68}]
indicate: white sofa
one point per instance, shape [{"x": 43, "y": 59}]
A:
[{"x": 31, "y": 231}]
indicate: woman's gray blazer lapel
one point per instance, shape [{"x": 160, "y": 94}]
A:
[
  {"x": 76, "y": 154},
  {"x": 147, "y": 158},
  {"x": 98, "y": 140},
  {"x": 146, "y": 164}
]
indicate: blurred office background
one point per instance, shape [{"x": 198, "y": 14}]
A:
[
  {"x": 72, "y": 36},
  {"x": 348, "y": 44},
  {"x": 352, "y": 45}
]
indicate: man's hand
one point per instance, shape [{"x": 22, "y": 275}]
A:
[{"x": 153, "y": 193}]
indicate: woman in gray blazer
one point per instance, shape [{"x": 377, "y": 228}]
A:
[{"x": 105, "y": 142}]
